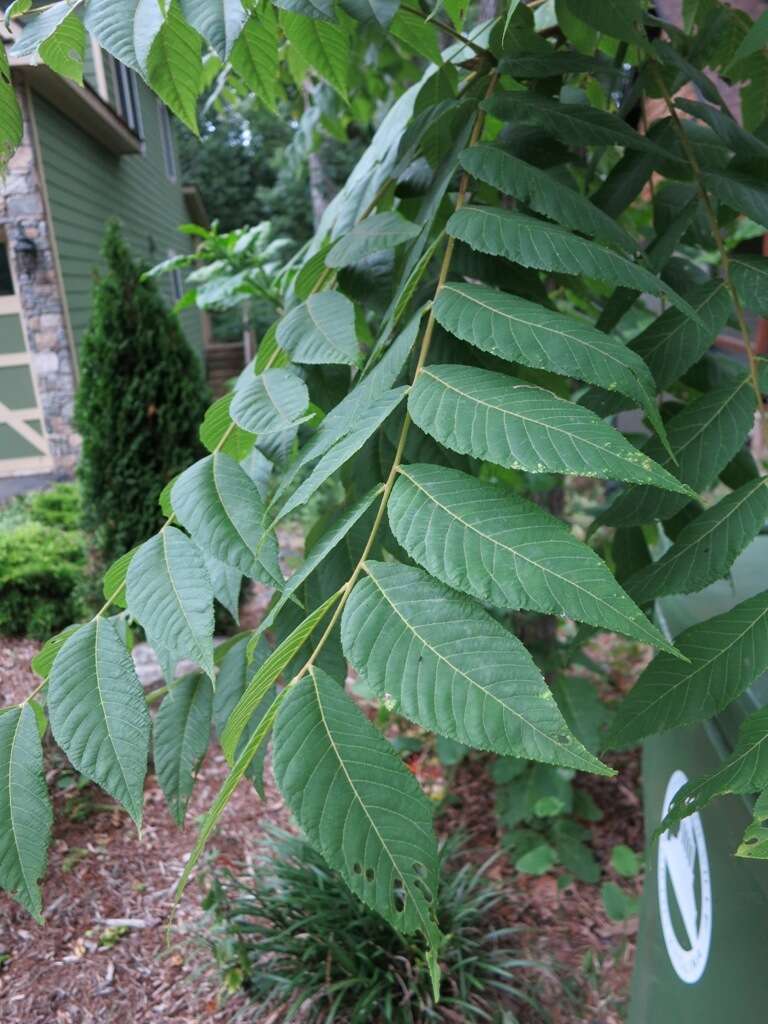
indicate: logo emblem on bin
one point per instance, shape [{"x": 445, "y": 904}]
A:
[{"x": 685, "y": 891}]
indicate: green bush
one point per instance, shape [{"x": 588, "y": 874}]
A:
[
  {"x": 300, "y": 943},
  {"x": 59, "y": 506},
  {"x": 40, "y": 572},
  {"x": 141, "y": 399}
]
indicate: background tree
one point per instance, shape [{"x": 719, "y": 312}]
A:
[{"x": 141, "y": 396}]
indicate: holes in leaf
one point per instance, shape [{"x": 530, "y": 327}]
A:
[
  {"x": 419, "y": 869},
  {"x": 421, "y": 885},
  {"x": 751, "y": 841},
  {"x": 398, "y": 896},
  {"x": 369, "y": 874},
  {"x": 357, "y": 868},
  {"x": 564, "y": 738}
]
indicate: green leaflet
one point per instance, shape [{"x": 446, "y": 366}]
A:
[
  {"x": 500, "y": 419},
  {"x": 113, "y": 584},
  {"x": 741, "y": 192},
  {"x": 750, "y": 278},
  {"x": 37, "y": 29},
  {"x": 506, "y": 551},
  {"x": 170, "y": 594},
  {"x": 536, "y": 243},
  {"x": 368, "y": 818},
  {"x": 370, "y": 419},
  {"x": 320, "y": 9},
  {"x": 25, "y": 809},
  {"x": 453, "y": 669},
  {"x": 43, "y": 660},
  {"x": 585, "y": 712},
  {"x": 558, "y": 62},
  {"x": 218, "y": 431},
  {"x": 704, "y": 437},
  {"x": 225, "y": 581},
  {"x": 374, "y": 234},
  {"x": 228, "y": 787},
  {"x": 123, "y": 27},
  {"x": 744, "y": 144},
  {"x": 98, "y": 713},
  {"x": 573, "y": 123},
  {"x": 254, "y": 56},
  {"x": 521, "y": 331},
  {"x": 755, "y": 39},
  {"x": 64, "y": 50},
  {"x": 745, "y": 771},
  {"x": 755, "y": 842},
  {"x": 173, "y": 65},
  {"x": 673, "y": 342},
  {"x": 270, "y": 403},
  {"x": 11, "y": 128},
  {"x": 706, "y": 548},
  {"x": 726, "y": 653},
  {"x": 182, "y": 732},
  {"x": 321, "y": 330},
  {"x": 543, "y": 193},
  {"x": 219, "y": 22},
  {"x": 236, "y": 669},
  {"x": 266, "y": 674},
  {"x": 323, "y": 45},
  {"x": 220, "y": 505}
]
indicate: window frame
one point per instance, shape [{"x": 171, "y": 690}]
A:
[
  {"x": 128, "y": 100},
  {"x": 170, "y": 162}
]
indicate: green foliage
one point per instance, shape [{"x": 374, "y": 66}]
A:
[
  {"x": 41, "y": 570},
  {"x": 511, "y": 304},
  {"x": 336, "y": 957},
  {"x": 140, "y": 399},
  {"x": 59, "y": 506}
]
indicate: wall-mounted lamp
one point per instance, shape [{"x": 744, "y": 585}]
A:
[{"x": 26, "y": 253}]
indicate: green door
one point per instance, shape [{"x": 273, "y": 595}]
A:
[{"x": 23, "y": 444}]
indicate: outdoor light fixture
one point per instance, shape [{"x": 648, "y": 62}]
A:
[{"x": 26, "y": 253}]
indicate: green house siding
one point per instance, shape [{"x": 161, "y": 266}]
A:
[{"x": 87, "y": 186}]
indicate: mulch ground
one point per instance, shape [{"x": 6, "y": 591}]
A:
[{"x": 103, "y": 954}]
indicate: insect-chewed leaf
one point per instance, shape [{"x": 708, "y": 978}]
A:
[
  {"x": 220, "y": 505},
  {"x": 366, "y": 813},
  {"x": 374, "y": 234},
  {"x": 370, "y": 419},
  {"x": 98, "y": 713},
  {"x": 745, "y": 771},
  {"x": 543, "y": 193},
  {"x": 755, "y": 841},
  {"x": 451, "y": 668},
  {"x": 520, "y": 331},
  {"x": 182, "y": 732},
  {"x": 726, "y": 653},
  {"x": 704, "y": 437},
  {"x": 507, "y": 551},
  {"x": 536, "y": 243},
  {"x": 574, "y": 123},
  {"x": 170, "y": 594},
  {"x": 274, "y": 401},
  {"x": 25, "y": 808},
  {"x": 706, "y": 548},
  {"x": 321, "y": 330},
  {"x": 219, "y": 23},
  {"x": 750, "y": 278},
  {"x": 503, "y": 420}
]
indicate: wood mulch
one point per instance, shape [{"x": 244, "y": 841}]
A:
[{"x": 103, "y": 955}]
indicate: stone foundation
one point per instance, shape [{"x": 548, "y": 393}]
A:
[{"x": 45, "y": 326}]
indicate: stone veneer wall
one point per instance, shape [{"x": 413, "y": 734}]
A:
[{"x": 44, "y": 321}]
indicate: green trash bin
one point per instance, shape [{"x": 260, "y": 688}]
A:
[{"x": 702, "y": 952}]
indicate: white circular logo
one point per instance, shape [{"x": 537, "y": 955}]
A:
[{"x": 683, "y": 862}]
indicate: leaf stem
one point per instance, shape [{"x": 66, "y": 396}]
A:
[
  {"x": 426, "y": 341},
  {"x": 721, "y": 248}
]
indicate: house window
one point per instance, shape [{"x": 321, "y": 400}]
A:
[
  {"x": 6, "y": 278},
  {"x": 128, "y": 104},
  {"x": 177, "y": 281},
  {"x": 166, "y": 139}
]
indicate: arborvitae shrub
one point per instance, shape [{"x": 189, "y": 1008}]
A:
[{"x": 142, "y": 395}]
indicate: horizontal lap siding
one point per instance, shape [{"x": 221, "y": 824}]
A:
[{"x": 87, "y": 186}]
